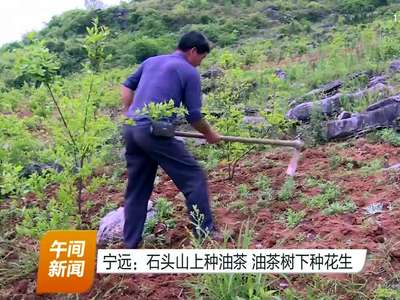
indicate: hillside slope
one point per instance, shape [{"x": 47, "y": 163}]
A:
[{"x": 61, "y": 154}]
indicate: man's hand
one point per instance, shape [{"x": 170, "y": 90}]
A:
[
  {"x": 203, "y": 127},
  {"x": 213, "y": 137}
]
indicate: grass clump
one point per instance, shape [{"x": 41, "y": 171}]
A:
[
  {"x": 340, "y": 208},
  {"x": 287, "y": 190}
]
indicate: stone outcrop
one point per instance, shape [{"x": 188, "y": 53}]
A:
[
  {"x": 40, "y": 168},
  {"x": 212, "y": 73},
  {"x": 381, "y": 114},
  {"x": 384, "y": 114},
  {"x": 332, "y": 105}
]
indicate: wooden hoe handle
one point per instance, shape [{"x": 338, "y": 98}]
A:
[{"x": 298, "y": 144}]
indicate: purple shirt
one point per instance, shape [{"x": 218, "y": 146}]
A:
[{"x": 164, "y": 77}]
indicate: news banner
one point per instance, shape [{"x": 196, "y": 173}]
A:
[
  {"x": 230, "y": 261},
  {"x": 69, "y": 260}
]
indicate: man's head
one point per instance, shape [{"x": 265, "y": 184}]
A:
[{"x": 195, "y": 46}]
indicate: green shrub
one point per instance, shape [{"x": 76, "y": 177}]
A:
[
  {"x": 144, "y": 48},
  {"x": 356, "y": 7},
  {"x": 389, "y": 136},
  {"x": 60, "y": 213},
  {"x": 265, "y": 193},
  {"x": 18, "y": 146}
]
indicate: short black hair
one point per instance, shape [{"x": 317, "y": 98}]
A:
[{"x": 194, "y": 39}]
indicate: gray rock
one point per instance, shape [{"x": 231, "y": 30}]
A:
[
  {"x": 250, "y": 111},
  {"x": 328, "y": 26},
  {"x": 213, "y": 72},
  {"x": 377, "y": 79},
  {"x": 275, "y": 14},
  {"x": 394, "y": 66},
  {"x": 208, "y": 85},
  {"x": 329, "y": 89},
  {"x": 375, "y": 89},
  {"x": 111, "y": 226},
  {"x": 344, "y": 115},
  {"x": 384, "y": 102},
  {"x": 327, "y": 106},
  {"x": 382, "y": 117},
  {"x": 357, "y": 75},
  {"x": 374, "y": 208},
  {"x": 254, "y": 120},
  {"x": 311, "y": 14},
  {"x": 280, "y": 74},
  {"x": 331, "y": 105},
  {"x": 40, "y": 168}
]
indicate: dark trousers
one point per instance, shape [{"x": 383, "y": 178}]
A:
[{"x": 144, "y": 152}]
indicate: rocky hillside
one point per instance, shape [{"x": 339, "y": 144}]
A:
[{"x": 321, "y": 71}]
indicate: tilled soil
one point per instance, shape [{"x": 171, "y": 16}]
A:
[{"x": 379, "y": 233}]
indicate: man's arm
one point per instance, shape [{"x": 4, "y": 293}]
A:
[
  {"x": 192, "y": 101},
  {"x": 127, "y": 98},
  {"x": 129, "y": 86},
  {"x": 203, "y": 127}
]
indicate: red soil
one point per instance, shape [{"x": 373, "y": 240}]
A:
[{"x": 379, "y": 233}]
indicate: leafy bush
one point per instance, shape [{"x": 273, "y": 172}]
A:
[
  {"x": 9, "y": 180},
  {"x": 60, "y": 213},
  {"x": 385, "y": 293},
  {"x": 18, "y": 146},
  {"x": 225, "y": 111},
  {"x": 144, "y": 47},
  {"x": 80, "y": 132},
  {"x": 359, "y": 6},
  {"x": 389, "y": 136},
  {"x": 314, "y": 133},
  {"x": 372, "y": 167}
]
